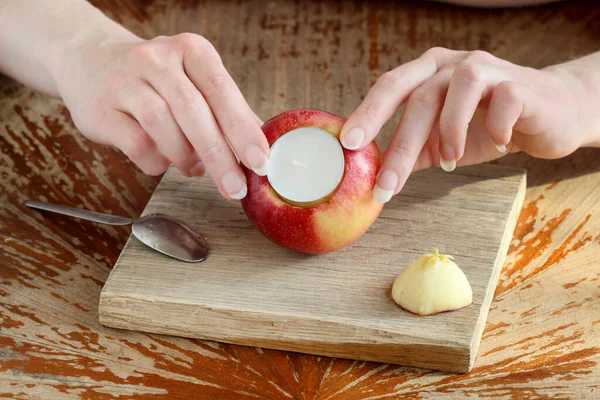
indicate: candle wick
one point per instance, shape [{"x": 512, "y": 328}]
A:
[{"x": 299, "y": 163}]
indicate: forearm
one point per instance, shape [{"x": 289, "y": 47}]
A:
[{"x": 35, "y": 36}]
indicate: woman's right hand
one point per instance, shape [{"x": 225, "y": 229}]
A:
[{"x": 161, "y": 101}]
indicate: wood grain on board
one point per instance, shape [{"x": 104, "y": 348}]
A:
[
  {"x": 250, "y": 291},
  {"x": 542, "y": 337}
]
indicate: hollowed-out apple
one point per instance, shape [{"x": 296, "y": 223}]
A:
[{"x": 331, "y": 220}]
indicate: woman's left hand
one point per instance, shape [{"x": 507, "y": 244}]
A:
[{"x": 465, "y": 108}]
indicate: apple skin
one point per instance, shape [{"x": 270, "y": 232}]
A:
[{"x": 326, "y": 227}]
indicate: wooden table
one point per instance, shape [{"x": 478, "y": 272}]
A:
[{"x": 543, "y": 333}]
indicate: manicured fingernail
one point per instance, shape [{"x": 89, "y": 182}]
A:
[
  {"x": 385, "y": 186},
  {"x": 382, "y": 196},
  {"x": 234, "y": 186},
  {"x": 257, "y": 159},
  {"x": 501, "y": 148},
  {"x": 448, "y": 166},
  {"x": 447, "y": 152},
  {"x": 198, "y": 169},
  {"x": 353, "y": 138},
  {"x": 447, "y": 157}
]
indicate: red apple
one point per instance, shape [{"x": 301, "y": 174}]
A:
[{"x": 343, "y": 218}]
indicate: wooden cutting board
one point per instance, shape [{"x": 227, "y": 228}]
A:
[{"x": 250, "y": 291}]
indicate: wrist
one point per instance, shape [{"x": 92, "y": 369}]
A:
[
  {"x": 65, "y": 56},
  {"x": 589, "y": 102},
  {"x": 584, "y": 82}
]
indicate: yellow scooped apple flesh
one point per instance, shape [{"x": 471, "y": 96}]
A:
[{"x": 431, "y": 285}]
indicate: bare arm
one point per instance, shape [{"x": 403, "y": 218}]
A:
[{"x": 36, "y": 34}]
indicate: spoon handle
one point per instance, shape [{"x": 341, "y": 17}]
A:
[{"x": 79, "y": 213}]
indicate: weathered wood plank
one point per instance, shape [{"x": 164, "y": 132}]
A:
[{"x": 250, "y": 291}]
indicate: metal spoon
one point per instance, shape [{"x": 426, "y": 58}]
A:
[{"x": 160, "y": 232}]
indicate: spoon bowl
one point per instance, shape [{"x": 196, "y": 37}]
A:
[
  {"x": 171, "y": 237},
  {"x": 163, "y": 233}
]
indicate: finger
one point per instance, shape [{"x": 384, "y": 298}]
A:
[
  {"x": 418, "y": 120},
  {"x": 155, "y": 117},
  {"x": 535, "y": 117},
  {"x": 136, "y": 144},
  {"x": 198, "y": 168},
  {"x": 197, "y": 122},
  {"x": 424, "y": 160},
  {"x": 429, "y": 155},
  {"x": 390, "y": 92},
  {"x": 259, "y": 121},
  {"x": 470, "y": 83},
  {"x": 505, "y": 108},
  {"x": 236, "y": 119}
]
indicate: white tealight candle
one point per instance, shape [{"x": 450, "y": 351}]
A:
[{"x": 306, "y": 165}]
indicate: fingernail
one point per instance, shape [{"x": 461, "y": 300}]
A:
[
  {"x": 448, "y": 166},
  {"x": 501, "y": 148},
  {"x": 198, "y": 169},
  {"x": 447, "y": 152},
  {"x": 447, "y": 158},
  {"x": 385, "y": 186},
  {"x": 257, "y": 159},
  {"x": 234, "y": 186},
  {"x": 353, "y": 138}
]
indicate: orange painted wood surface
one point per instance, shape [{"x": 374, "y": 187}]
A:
[{"x": 542, "y": 338}]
